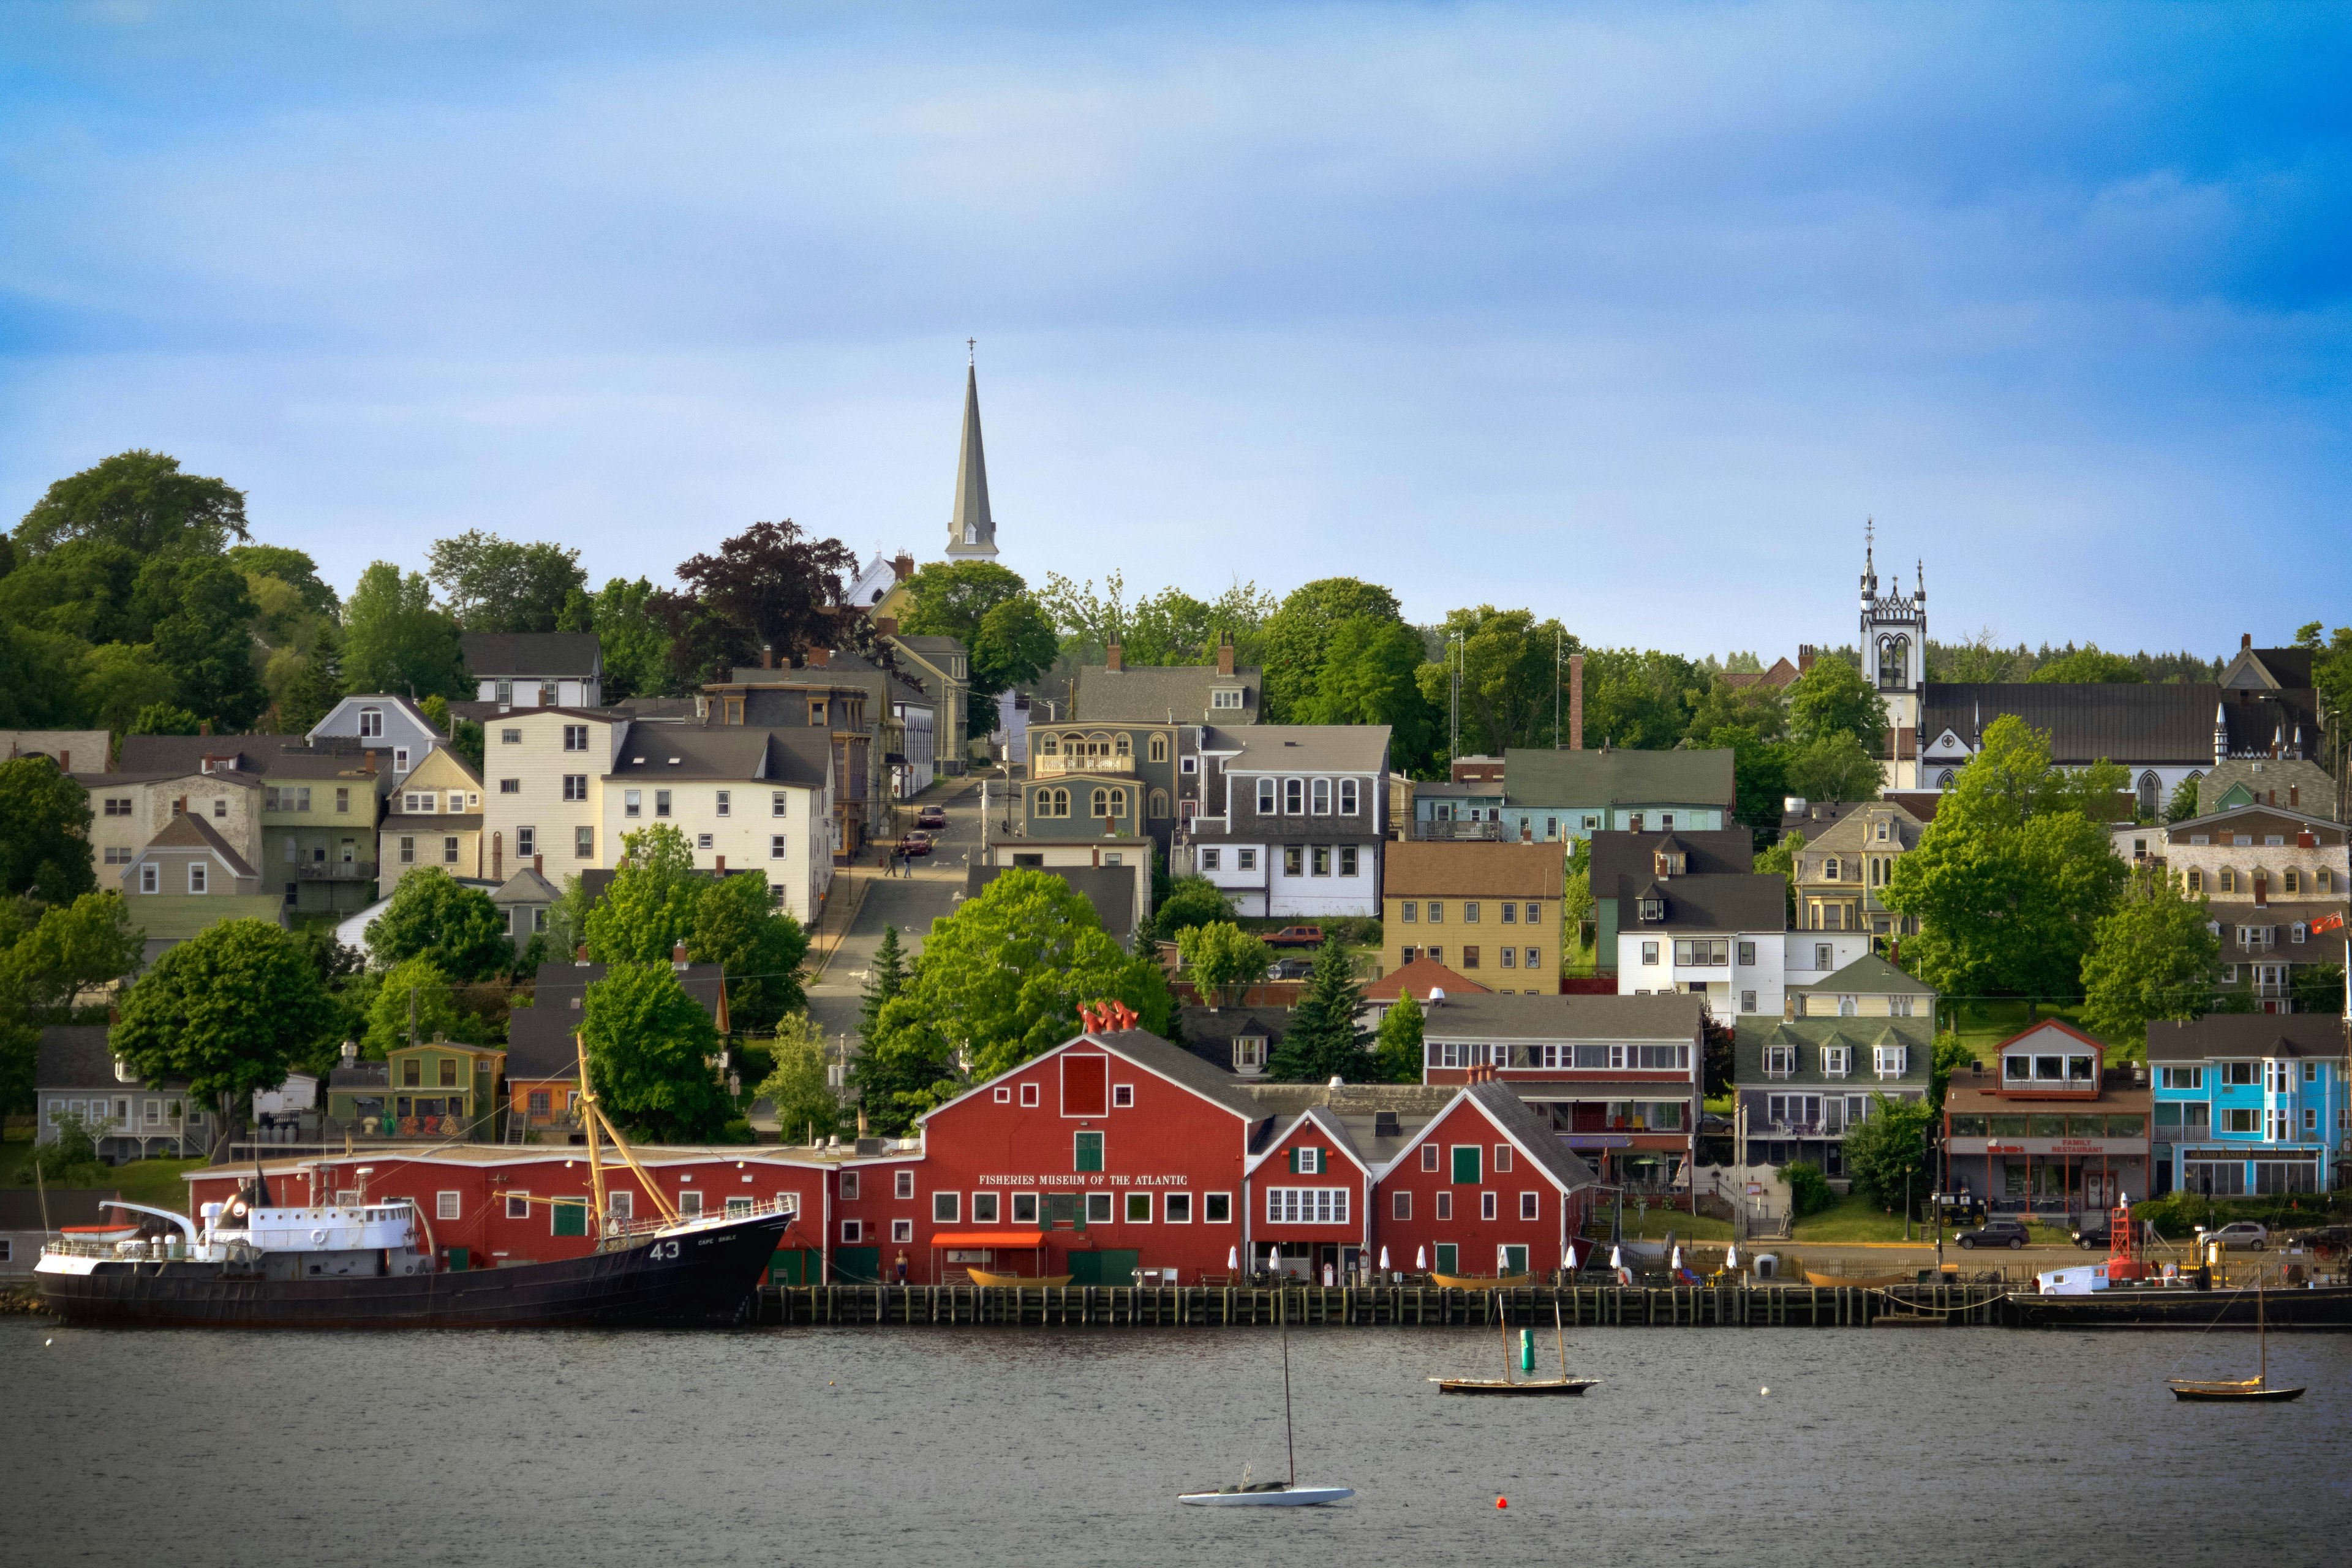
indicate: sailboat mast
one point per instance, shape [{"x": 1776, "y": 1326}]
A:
[
  {"x": 2261, "y": 1334},
  {"x": 1290, "y": 1436},
  {"x": 1560, "y": 1334},
  {"x": 595, "y": 1154}
]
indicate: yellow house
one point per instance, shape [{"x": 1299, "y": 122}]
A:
[{"x": 434, "y": 817}]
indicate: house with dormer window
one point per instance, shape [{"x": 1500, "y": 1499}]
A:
[
  {"x": 1841, "y": 876},
  {"x": 2050, "y": 1129},
  {"x": 1294, "y": 817},
  {"x": 1802, "y": 1084},
  {"x": 2274, "y": 881},
  {"x": 1683, "y": 921}
]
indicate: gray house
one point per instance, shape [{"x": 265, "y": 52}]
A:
[
  {"x": 29, "y": 1219},
  {"x": 76, "y": 1075},
  {"x": 385, "y": 723},
  {"x": 1802, "y": 1085}
]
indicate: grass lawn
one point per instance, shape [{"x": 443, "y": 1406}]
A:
[
  {"x": 1856, "y": 1218},
  {"x": 1687, "y": 1227},
  {"x": 1983, "y": 1026},
  {"x": 156, "y": 1182}
]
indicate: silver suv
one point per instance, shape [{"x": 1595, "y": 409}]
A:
[{"x": 2242, "y": 1233}]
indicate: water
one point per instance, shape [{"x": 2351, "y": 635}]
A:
[{"x": 991, "y": 1446}]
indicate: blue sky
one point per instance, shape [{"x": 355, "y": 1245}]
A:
[{"x": 1628, "y": 314}]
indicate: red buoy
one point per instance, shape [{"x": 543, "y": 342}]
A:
[{"x": 1502, "y": 1503}]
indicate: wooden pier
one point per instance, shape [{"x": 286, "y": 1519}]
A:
[{"x": 1385, "y": 1306}]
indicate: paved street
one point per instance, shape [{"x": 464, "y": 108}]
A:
[{"x": 910, "y": 902}]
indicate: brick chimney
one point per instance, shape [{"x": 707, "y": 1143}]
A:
[
  {"x": 580, "y": 954},
  {"x": 539, "y": 864},
  {"x": 885, "y": 626},
  {"x": 205, "y": 726},
  {"x": 1804, "y": 657},
  {"x": 1114, "y": 657},
  {"x": 767, "y": 657},
  {"x": 1226, "y": 654},
  {"x": 2246, "y": 643},
  {"x": 903, "y": 565},
  {"x": 1576, "y": 702},
  {"x": 677, "y": 957},
  {"x": 820, "y": 657}
]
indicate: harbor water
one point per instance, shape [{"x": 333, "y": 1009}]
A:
[{"x": 974, "y": 1445}]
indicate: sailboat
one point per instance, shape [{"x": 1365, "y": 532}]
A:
[
  {"x": 1274, "y": 1494},
  {"x": 1531, "y": 1387},
  {"x": 2256, "y": 1389}
]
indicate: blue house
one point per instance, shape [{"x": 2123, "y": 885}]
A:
[{"x": 2250, "y": 1103}]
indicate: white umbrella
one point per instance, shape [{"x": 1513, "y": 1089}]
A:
[
  {"x": 1384, "y": 1258},
  {"x": 1233, "y": 1257},
  {"x": 1420, "y": 1259},
  {"x": 1677, "y": 1264},
  {"x": 1568, "y": 1259},
  {"x": 1731, "y": 1255},
  {"x": 1616, "y": 1259},
  {"x": 1273, "y": 1260}
]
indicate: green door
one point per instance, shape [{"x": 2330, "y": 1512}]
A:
[
  {"x": 1465, "y": 1165},
  {"x": 1110, "y": 1265},
  {"x": 1448, "y": 1258},
  {"x": 857, "y": 1264},
  {"x": 792, "y": 1265},
  {"x": 571, "y": 1219},
  {"x": 1515, "y": 1260}
]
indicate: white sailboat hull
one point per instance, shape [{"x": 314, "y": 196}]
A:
[{"x": 1287, "y": 1496}]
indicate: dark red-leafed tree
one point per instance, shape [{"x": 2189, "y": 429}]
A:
[{"x": 771, "y": 585}]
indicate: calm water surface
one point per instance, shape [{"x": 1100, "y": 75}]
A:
[{"x": 977, "y": 1446}]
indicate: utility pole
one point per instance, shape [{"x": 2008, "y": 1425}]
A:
[
  {"x": 1454, "y": 733},
  {"x": 1555, "y": 694}
]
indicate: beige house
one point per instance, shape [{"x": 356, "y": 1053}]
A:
[
  {"x": 128, "y": 810},
  {"x": 434, "y": 819},
  {"x": 1841, "y": 876},
  {"x": 2268, "y": 876},
  {"x": 1869, "y": 987},
  {"x": 542, "y": 795},
  {"x": 1489, "y": 912},
  {"x": 743, "y": 798},
  {"x": 187, "y": 879}
]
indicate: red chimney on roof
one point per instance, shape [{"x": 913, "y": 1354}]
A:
[
  {"x": 539, "y": 864},
  {"x": 205, "y": 726},
  {"x": 903, "y": 565},
  {"x": 820, "y": 657},
  {"x": 1226, "y": 654},
  {"x": 1114, "y": 657},
  {"x": 885, "y": 626}
]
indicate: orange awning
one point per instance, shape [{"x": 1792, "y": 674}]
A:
[{"x": 989, "y": 1238}]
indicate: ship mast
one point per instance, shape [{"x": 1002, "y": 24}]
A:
[
  {"x": 595, "y": 1154},
  {"x": 596, "y": 1118}
]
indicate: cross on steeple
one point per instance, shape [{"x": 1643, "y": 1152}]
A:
[{"x": 971, "y": 352}]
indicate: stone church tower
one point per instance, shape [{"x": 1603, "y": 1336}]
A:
[{"x": 1894, "y": 658}]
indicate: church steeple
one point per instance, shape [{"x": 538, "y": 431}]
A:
[{"x": 971, "y": 531}]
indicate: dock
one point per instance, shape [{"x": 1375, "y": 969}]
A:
[{"x": 1384, "y": 1306}]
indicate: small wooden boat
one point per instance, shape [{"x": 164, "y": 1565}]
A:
[
  {"x": 1479, "y": 1282},
  {"x": 1015, "y": 1281},
  {"x": 1534, "y": 1388},
  {"x": 1862, "y": 1282},
  {"x": 2254, "y": 1390}
]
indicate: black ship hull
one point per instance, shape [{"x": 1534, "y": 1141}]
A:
[
  {"x": 699, "y": 1279},
  {"x": 2324, "y": 1309}
]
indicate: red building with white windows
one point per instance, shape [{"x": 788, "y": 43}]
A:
[{"x": 1486, "y": 1187}]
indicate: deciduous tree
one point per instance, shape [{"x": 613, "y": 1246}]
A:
[
  {"x": 2088, "y": 666},
  {"x": 494, "y": 585},
  {"x": 434, "y": 916},
  {"x": 230, "y": 1010},
  {"x": 798, "y": 1085},
  {"x": 1831, "y": 698},
  {"x": 1297, "y": 636},
  {"x": 1191, "y": 901},
  {"x": 44, "y": 831},
  {"x": 2152, "y": 958},
  {"x": 1014, "y": 645},
  {"x": 414, "y": 999},
  {"x": 396, "y": 640},
  {"x": 1370, "y": 675},
  {"x": 758, "y": 946},
  {"x": 1833, "y": 766},
  {"x": 1890, "y": 1144},
  {"x": 204, "y": 638},
  {"x": 1397, "y": 1045},
  {"x": 1222, "y": 960},
  {"x": 775, "y": 582},
  {"x": 648, "y": 907},
  {"x": 138, "y": 499},
  {"x": 650, "y": 1047}
]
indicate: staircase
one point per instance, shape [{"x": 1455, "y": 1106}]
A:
[{"x": 517, "y": 1126}]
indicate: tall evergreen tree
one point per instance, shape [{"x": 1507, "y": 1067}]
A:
[
  {"x": 1325, "y": 1041},
  {"x": 886, "y": 979}
]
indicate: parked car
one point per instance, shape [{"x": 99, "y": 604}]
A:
[
  {"x": 2009, "y": 1233},
  {"x": 1962, "y": 1210},
  {"x": 2330, "y": 1238},
  {"x": 931, "y": 817},
  {"x": 1296, "y": 936},
  {"x": 2245, "y": 1233},
  {"x": 2095, "y": 1234},
  {"x": 916, "y": 843}
]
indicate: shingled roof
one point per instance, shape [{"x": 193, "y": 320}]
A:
[{"x": 1542, "y": 777}]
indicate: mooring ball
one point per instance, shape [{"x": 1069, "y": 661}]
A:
[{"x": 1502, "y": 1503}]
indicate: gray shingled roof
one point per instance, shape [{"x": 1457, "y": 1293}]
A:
[
  {"x": 187, "y": 830},
  {"x": 2244, "y": 1035},
  {"x": 1618, "y": 856},
  {"x": 1487, "y": 1017},
  {"x": 1110, "y": 890},
  {"x": 79, "y": 1056},
  {"x": 1757, "y": 901},
  {"x": 1149, "y": 694},
  {"x": 1279, "y": 748},
  {"x": 732, "y": 752},
  {"x": 1810, "y": 1035},
  {"x": 2121, "y": 722},
  {"x": 495, "y": 655},
  {"x": 1612, "y": 778}
]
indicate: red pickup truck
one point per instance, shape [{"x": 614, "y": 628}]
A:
[{"x": 1296, "y": 936}]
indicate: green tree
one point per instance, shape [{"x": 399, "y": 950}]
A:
[
  {"x": 44, "y": 832},
  {"x": 798, "y": 1087},
  {"x": 1014, "y": 645},
  {"x": 1762, "y": 710},
  {"x": 1324, "y": 1040},
  {"x": 292, "y": 567},
  {"x": 1639, "y": 699},
  {"x": 494, "y": 585},
  {"x": 1191, "y": 901},
  {"x": 1832, "y": 767},
  {"x": 2152, "y": 958},
  {"x": 414, "y": 1000},
  {"x": 631, "y": 639},
  {"x": 1002, "y": 979},
  {"x": 758, "y": 946},
  {"x": 886, "y": 977},
  {"x": 85, "y": 588},
  {"x": 1513, "y": 670},
  {"x": 1370, "y": 675},
  {"x": 1951, "y": 1055},
  {"x": 396, "y": 640},
  {"x": 206, "y": 639},
  {"x": 434, "y": 916},
  {"x": 37, "y": 678},
  {"x": 2319, "y": 988},
  {"x": 2012, "y": 877},
  {"x": 1809, "y": 1190},
  {"x": 140, "y": 500},
  {"x": 1782, "y": 858},
  {"x": 164, "y": 718},
  {"x": 2088, "y": 666},
  {"x": 1397, "y": 1047},
  {"x": 1297, "y": 637},
  {"x": 231, "y": 1010},
  {"x": 1831, "y": 698},
  {"x": 1760, "y": 774},
  {"x": 2182, "y": 805},
  {"x": 1890, "y": 1142},
  {"x": 650, "y": 1050},
  {"x": 72, "y": 948},
  {"x": 118, "y": 680},
  {"x": 951, "y": 598},
  {"x": 648, "y": 907},
  {"x": 1222, "y": 960}
]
